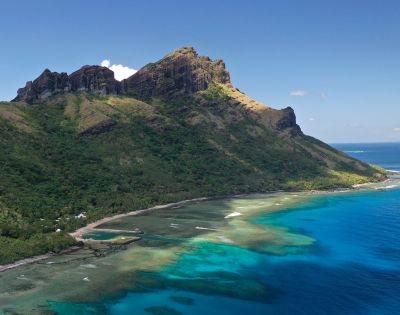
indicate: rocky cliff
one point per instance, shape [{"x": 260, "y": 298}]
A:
[
  {"x": 180, "y": 73},
  {"x": 94, "y": 79}
]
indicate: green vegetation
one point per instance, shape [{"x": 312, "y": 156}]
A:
[
  {"x": 215, "y": 92},
  {"x": 60, "y": 159},
  {"x": 13, "y": 249}
]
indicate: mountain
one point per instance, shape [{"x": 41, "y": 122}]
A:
[{"x": 176, "y": 129}]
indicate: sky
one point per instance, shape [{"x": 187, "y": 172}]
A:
[{"x": 337, "y": 62}]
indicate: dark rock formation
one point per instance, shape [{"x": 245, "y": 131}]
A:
[
  {"x": 179, "y": 73},
  {"x": 285, "y": 119},
  {"x": 94, "y": 79},
  {"x": 47, "y": 84}
]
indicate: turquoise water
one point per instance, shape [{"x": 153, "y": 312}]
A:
[
  {"x": 353, "y": 267},
  {"x": 323, "y": 254},
  {"x": 103, "y": 235}
]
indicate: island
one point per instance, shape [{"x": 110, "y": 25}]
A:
[{"x": 83, "y": 146}]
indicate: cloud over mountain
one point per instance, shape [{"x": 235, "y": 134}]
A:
[{"x": 120, "y": 72}]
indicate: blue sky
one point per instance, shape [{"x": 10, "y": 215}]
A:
[{"x": 339, "y": 59}]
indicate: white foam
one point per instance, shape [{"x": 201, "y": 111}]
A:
[
  {"x": 225, "y": 239},
  {"x": 204, "y": 228},
  {"x": 386, "y": 187},
  {"x": 89, "y": 266},
  {"x": 86, "y": 279},
  {"x": 233, "y": 214}
]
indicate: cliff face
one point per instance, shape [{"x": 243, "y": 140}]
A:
[
  {"x": 94, "y": 79},
  {"x": 180, "y": 73},
  {"x": 47, "y": 84}
]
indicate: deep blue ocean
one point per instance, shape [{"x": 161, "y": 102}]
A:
[
  {"x": 386, "y": 155},
  {"x": 353, "y": 267}
]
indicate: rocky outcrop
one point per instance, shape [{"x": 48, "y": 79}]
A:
[
  {"x": 47, "y": 84},
  {"x": 285, "y": 119},
  {"x": 180, "y": 73},
  {"x": 94, "y": 79},
  {"x": 277, "y": 119}
]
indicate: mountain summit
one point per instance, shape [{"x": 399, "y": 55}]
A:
[
  {"x": 182, "y": 72},
  {"x": 176, "y": 129},
  {"x": 181, "y": 88}
]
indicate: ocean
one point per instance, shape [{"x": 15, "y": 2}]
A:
[
  {"x": 386, "y": 155},
  {"x": 335, "y": 253}
]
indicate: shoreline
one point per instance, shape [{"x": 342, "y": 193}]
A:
[
  {"x": 77, "y": 235},
  {"x": 79, "y": 232},
  {"x": 34, "y": 259}
]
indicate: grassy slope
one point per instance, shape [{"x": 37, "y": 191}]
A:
[{"x": 78, "y": 153}]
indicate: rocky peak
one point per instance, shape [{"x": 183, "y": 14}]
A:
[
  {"x": 94, "y": 79},
  {"x": 182, "y": 72},
  {"x": 285, "y": 119},
  {"x": 44, "y": 86}
]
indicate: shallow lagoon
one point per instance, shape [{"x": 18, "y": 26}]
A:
[
  {"x": 195, "y": 230},
  {"x": 321, "y": 255}
]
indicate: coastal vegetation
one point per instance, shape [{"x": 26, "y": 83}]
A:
[
  {"x": 74, "y": 157},
  {"x": 50, "y": 175}
]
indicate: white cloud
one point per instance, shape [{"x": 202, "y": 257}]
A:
[
  {"x": 105, "y": 63},
  {"x": 120, "y": 72},
  {"x": 297, "y": 93},
  {"x": 311, "y": 119},
  {"x": 323, "y": 96},
  {"x": 397, "y": 129}
]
